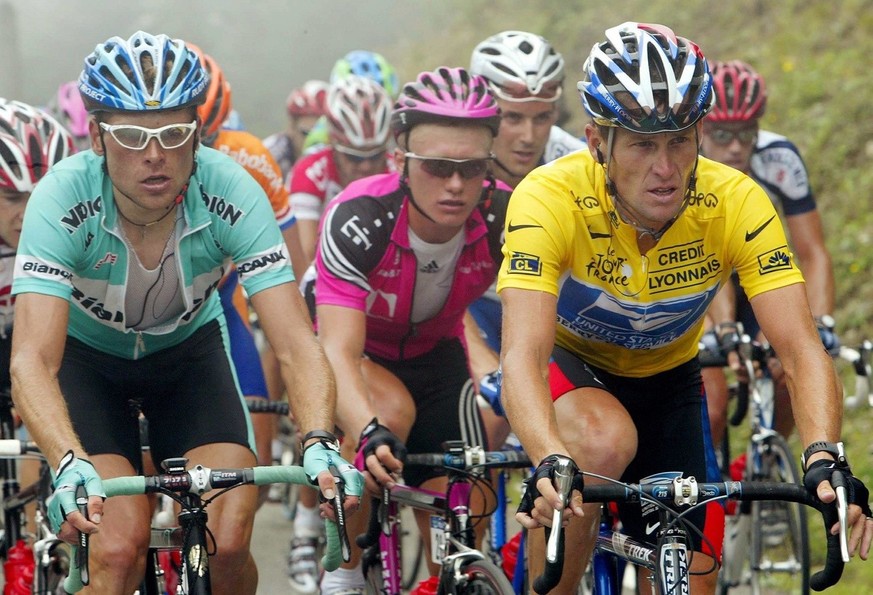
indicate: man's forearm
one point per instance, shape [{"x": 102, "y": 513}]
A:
[{"x": 43, "y": 411}]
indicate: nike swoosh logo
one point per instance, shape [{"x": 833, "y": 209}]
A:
[
  {"x": 512, "y": 227},
  {"x": 754, "y": 234},
  {"x": 651, "y": 527},
  {"x": 595, "y": 235}
]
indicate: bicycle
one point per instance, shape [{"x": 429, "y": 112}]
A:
[
  {"x": 463, "y": 568},
  {"x": 187, "y": 487},
  {"x": 50, "y": 556},
  {"x": 668, "y": 558}
]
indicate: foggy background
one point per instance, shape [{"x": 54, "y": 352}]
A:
[{"x": 265, "y": 47}]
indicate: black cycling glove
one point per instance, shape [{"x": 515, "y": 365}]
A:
[
  {"x": 823, "y": 469},
  {"x": 374, "y": 436},
  {"x": 546, "y": 468}
]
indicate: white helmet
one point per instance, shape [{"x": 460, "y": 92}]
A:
[
  {"x": 358, "y": 112},
  {"x": 519, "y": 66}
]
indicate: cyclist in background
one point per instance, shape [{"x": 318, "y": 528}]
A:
[
  {"x": 363, "y": 63},
  {"x": 732, "y": 135},
  {"x": 66, "y": 107},
  {"x": 121, "y": 250},
  {"x": 247, "y": 150},
  {"x": 525, "y": 74},
  {"x": 625, "y": 245},
  {"x": 31, "y": 143},
  {"x": 358, "y": 116},
  {"x": 401, "y": 256},
  {"x": 305, "y": 106}
]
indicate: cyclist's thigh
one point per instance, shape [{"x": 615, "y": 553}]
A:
[
  {"x": 445, "y": 403},
  {"x": 584, "y": 408},
  {"x": 101, "y": 405},
  {"x": 126, "y": 521},
  {"x": 194, "y": 399},
  {"x": 390, "y": 398}
]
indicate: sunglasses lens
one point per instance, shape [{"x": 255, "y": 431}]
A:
[
  {"x": 438, "y": 167},
  {"x": 472, "y": 169},
  {"x": 129, "y": 137},
  {"x": 174, "y": 137},
  {"x": 725, "y": 137}
]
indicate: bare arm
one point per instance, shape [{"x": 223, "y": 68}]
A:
[
  {"x": 814, "y": 259},
  {"x": 787, "y": 323},
  {"x": 482, "y": 359},
  {"x": 38, "y": 341},
  {"x": 529, "y": 319},
  {"x": 305, "y": 371},
  {"x": 299, "y": 260},
  {"x": 308, "y": 232},
  {"x": 342, "y": 331}
]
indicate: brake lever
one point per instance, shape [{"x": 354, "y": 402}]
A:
[
  {"x": 84, "y": 538},
  {"x": 838, "y": 481},
  {"x": 563, "y": 484}
]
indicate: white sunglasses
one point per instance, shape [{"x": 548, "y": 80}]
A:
[{"x": 137, "y": 138}]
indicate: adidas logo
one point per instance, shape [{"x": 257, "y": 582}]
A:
[{"x": 431, "y": 267}]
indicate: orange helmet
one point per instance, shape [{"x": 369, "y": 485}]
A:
[{"x": 215, "y": 110}]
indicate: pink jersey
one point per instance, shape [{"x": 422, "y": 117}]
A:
[{"x": 364, "y": 261}]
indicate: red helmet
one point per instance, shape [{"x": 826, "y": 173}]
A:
[
  {"x": 740, "y": 94},
  {"x": 308, "y": 100}
]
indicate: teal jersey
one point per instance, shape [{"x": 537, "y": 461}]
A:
[{"x": 71, "y": 248}]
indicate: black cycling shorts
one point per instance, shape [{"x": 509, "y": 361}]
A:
[
  {"x": 445, "y": 403},
  {"x": 669, "y": 412},
  {"x": 187, "y": 392}
]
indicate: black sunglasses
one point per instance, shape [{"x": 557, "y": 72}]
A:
[{"x": 444, "y": 167}]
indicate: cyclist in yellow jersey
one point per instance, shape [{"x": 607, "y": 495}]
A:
[{"x": 625, "y": 245}]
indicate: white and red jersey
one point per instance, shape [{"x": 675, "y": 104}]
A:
[{"x": 314, "y": 182}]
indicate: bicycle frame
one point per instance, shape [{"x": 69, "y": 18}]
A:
[{"x": 454, "y": 536}]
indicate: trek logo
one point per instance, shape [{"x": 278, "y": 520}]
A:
[
  {"x": 258, "y": 263},
  {"x": 226, "y": 210},
  {"x": 513, "y": 228},
  {"x": 751, "y": 235},
  {"x": 521, "y": 263},
  {"x": 80, "y": 212},
  {"x": 774, "y": 260}
]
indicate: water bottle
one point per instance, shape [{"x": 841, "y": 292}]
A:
[{"x": 18, "y": 568}]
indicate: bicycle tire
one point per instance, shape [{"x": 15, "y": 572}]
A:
[
  {"x": 480, "y": 577},
  {"x": 779, "y": 563},
  {"x": 411, "y": 541}
]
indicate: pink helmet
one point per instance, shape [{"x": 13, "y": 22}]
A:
[
  {"x": 308, "y": 100},
  {"x": 68, "y": 108},
  {"x": 445, "y": 95},
  {"x": 740, "y": 94},
  {"x": 31, "y": 142}
]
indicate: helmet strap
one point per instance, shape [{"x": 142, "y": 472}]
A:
[{"x": 404, "y": 184}]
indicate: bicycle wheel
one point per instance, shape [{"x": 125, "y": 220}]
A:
[
  {"x": 412, "y": 548},
  {"x": 372, "y": 567},
  {"x": 481, "y": 577},
  {"x": 779, "y": 540}
]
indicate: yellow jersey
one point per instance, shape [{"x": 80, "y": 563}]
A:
[{"x": 629, "y": 313}]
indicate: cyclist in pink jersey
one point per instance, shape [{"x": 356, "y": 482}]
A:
[
  {"x": 400, "y": 257},
  {"x": 358, "y": 116}
]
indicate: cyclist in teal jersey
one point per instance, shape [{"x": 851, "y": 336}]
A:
[{"x": 121, "y": 250}]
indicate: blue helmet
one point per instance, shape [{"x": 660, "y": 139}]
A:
[
  {"x": 369, "y": 65},
  {"x": 143, "y": 73},
  {"x": 646, "y": 79}
]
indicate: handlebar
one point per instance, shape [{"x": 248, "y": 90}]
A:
[
  {"x": 199, "y": 480},
  {"x": 466, "y": 458},
  {"x": 687, "y": 492},
  {"x": 17, "y": 448}
]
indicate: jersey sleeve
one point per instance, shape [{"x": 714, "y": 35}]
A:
[
  {"x": 344, "y": 257},
  {"x": 538, "y": 236},
  {"x": 47, "y": 251},
  {"x": 756, "y": 242},
  {"x": 307, "y": 186},
  {"x": 252, "y": 238}
]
